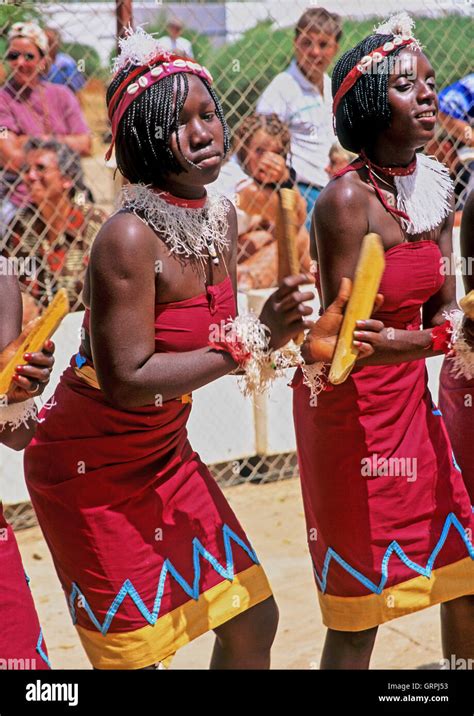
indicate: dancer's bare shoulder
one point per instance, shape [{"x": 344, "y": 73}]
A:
[
  {"x": 467, "y": 226},
  {"x": 125, "y": 246},
  {"x": 342, "y": 208},
  {"x": 123, "y": 241},
  {"x": 344, "y": 195}
]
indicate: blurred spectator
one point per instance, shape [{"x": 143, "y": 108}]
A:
[
  {"x": 454, "y": 145},
  {"x": 31, "y": 106},
  {"x": 173, "y": 42},
  {"x": 301, "y": 97},
  {"x": 62, "y": 67},
  {"x": 456, "y": 105},
  {"x": 262, "y": 147},
  {"x": 230, "y": 175},
  {"x": 60, "y": 226},
  {"x": 338, "y": 159}
]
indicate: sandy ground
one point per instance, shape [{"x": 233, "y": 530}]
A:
[{"x": 273, "y": 516}]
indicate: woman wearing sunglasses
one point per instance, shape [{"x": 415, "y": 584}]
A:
[{"x": 30, "y": 106}]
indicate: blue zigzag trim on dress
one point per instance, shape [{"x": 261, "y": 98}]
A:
[
  {"x": 127, "y": 588},
  {"x": 331, "y": 554},
  {"x": 455, "y": 463},
  {"x": 40, "y": 650}
]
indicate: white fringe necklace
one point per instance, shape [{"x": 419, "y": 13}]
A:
[
  {"x": 188, "y": 232},
  {"x": 424, "y": 195}
]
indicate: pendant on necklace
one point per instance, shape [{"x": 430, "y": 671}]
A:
[
  {"x": 390, "y": 199},
  {"x": 212, "y": 253}
]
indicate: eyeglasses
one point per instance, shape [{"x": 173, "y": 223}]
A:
[
  {"x": 14, "y": 55},
  {"x": 39, "y": 167}
]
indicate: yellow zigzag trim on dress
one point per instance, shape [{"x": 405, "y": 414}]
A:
[
  {"x": 359, "y": 613},
  {"x": 150, "y": 644}
]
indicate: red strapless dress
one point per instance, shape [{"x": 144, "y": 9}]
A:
[
  {"x": 456, "y": 402},
  {"x": 148, "y": 551},
  {"x": 389, "y": 519},
  {"x": 21, "y": 639}
]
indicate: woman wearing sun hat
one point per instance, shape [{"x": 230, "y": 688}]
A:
[{"x": 32, "y": 107}]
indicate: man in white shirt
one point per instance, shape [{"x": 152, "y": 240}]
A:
[
  {"x": 173, "y": 42},
  {"x": 301, "y": 97}
]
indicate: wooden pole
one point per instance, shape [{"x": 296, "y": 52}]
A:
[
  {"x": 124, "y": 14},
  {"x": 286, "y": 233}
]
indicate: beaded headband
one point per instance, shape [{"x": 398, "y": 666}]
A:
[
  {"x": 160, "y": 64},
  {"x": 365, "y": 64},
  {"x": 400, "y": 26}
]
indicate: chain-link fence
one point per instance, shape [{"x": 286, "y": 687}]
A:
[{"x": 56, "y": 188}]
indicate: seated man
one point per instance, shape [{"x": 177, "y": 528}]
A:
[{"x": 59, "y": 228}]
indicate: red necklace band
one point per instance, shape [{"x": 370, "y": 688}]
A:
[
  {"x": 390, "y": 171},
  {"x": 181, "y": 201}
]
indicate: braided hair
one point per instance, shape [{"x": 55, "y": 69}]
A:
[
  {"x": 364, "y": 110},
  {"x": 142, "y": 146}
]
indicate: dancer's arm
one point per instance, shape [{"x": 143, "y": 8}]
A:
[
  {"x": 467, "y": 242},
  {"x": 130, "y": 373},
  {"x": 445, "y": 299},
  {"x": 38, "y": 370},
  {"x": 467, "y": 253},
  {"x": 341, "y": 223}
]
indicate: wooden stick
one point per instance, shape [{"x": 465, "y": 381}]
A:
[
  {"x": 288, "y": 261},
  {"x": 467, "y": 305},
  {"x": 288, "y": 204},
  {"x": 42, "y": 330},
  {"x": 368, "y": 274}
]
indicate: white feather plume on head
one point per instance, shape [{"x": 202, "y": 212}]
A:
[
  {"x": 399, "y": 24},
  {"x": 137, "y": 47}
]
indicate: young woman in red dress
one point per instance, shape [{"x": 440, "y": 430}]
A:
[
  {"x": 456, "y": 388},
  {"x": 388, "y": 515}
]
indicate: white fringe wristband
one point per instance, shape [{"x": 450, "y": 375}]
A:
[
  {"x": 462, "y": 355},
  {"x": 17, "y": 414}
]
